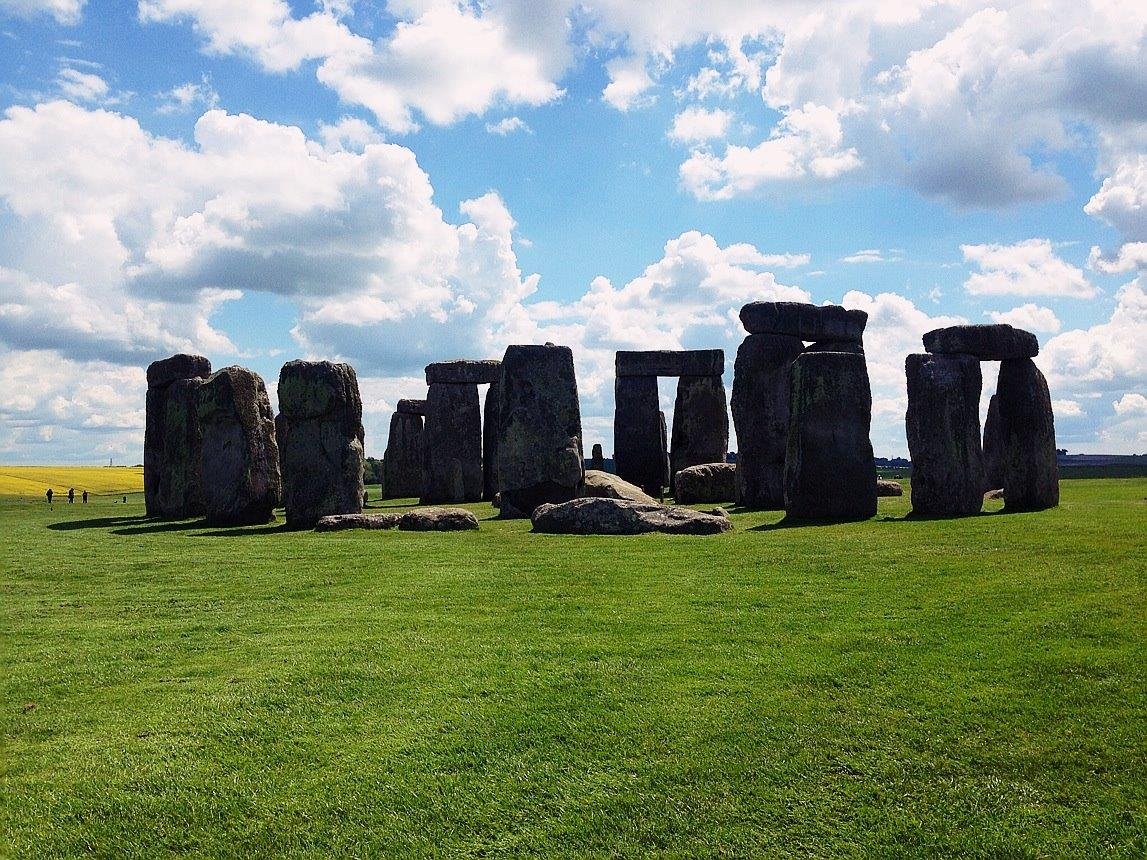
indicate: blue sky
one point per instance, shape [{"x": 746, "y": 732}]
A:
[{"x": 395, "y": 183}]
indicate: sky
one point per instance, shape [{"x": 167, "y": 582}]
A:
[{"x": 391, "y": 184}]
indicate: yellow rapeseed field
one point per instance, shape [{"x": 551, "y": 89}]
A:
[{"x": 97, "y": 480}]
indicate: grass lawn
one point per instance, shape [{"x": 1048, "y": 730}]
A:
[{"x": 893, "y": 688}]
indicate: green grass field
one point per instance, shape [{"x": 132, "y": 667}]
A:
[{"x": 891, "y": 688}]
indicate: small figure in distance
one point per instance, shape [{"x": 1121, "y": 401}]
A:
[
  {"x": 85, "y": 497},
  {"x": 125, "y": 500},
  {"x": 71, "y": 495},
  {"x": 49, "y": 494},
  {"x": 365, "y": 498}
]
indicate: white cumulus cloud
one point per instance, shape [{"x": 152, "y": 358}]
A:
[
  {"x": 1028, "y": 316},
  {"x": 1028, "y": 268}
]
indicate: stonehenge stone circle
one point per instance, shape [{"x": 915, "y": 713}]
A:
[
  {"x": 620, "y": 517},
  {"x": 993, "y": 447},
  {"x": 452, "y": 444},
  {"x": 403, "y": 458},
  {"x": 180, "y": 493},
  {"x": 241, "y": 483},
  {"x": 597, "y": 458},
  {"x": 464, "y": 372},
  {"x": 491, "y": 428},
  {"x": 667, "y": 362},
  {"x": 1027, "y": 431},
  {"x": 804, "y": 321},
  {"x": 761, "y": 383},
  {"x": 539, "y": 445},
  {"x": 708, "y": 482},
  {"x": 829, "y": 470},
  {"x": 700, "y": 422},
  {"x": 322, "y": 452},
  {"x": 160, "y": 376},
  {"x": 943, "y": 426},
  {"x": 986, "y": 342},
  {"x": 639, "y": 450},
  {"x": 407, "y": 406}
]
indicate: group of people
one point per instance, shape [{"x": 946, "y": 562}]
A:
[{"x": 71, "y": 495}]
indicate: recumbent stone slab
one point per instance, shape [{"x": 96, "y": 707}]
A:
[
  {"x": 452, "y": 445},
  {"x": 603, "y": 485},
  {"x": 804, "y": 321},
  {"x": 829, "y": 470},
  {"x": 621, "y": 517},
  {"x": 670, "y": 362},
  {"x": 708, "y": 482},
  {"x": 539, "y": 446},
  {"x": 995, "y": 342},
  {"x": 241, "y": 483},
  {"x": 1031, "y": 471},
  {"x": 943, "y": 427},
  {"x": 464, "y": 372},
  {"x": 761, "y": 383},
  {"x": 700, "y": 423}
]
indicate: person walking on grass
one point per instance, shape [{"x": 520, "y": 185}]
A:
[
  {"x": 85, "y": 497},
  {"x": 49, "y": 494},
  {"x": 71, "y": 495}
]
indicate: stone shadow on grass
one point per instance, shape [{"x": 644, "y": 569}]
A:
[
  {"x": 791, "y": 523},
  {"x": 152, "y": 526},
  {"x": 96, "y": 523},
  {"x": 251, "y": 531}
]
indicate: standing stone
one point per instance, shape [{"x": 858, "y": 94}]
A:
[
  {"x": 281, "y": 441},
  {"x": 597, "y": 458},
  {"x": 829, "y": 470},
  {"x": 663, "y": 441},
  {"x": 491, "y": 428},
  {"x": 402, "y": 462},
  {"x": 638, "y": 438},
  {"x": 241, "y": 483},
  {"x": 160, "y": 376},
  {"x": 180, "y": 492},
  {"x": 943, "y": 424},
  {"x": 539, "y": 446},
  {"x": 993, "y": 447},
  {"x": 322, "y": 452},
  {"x": 452, "y": 444},
  {"x": 700, "y": 423},
  {"x": 761, "y": 416},
  {"x": 1031, "y": 472}
]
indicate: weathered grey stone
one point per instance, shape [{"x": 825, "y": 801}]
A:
[
  {"x": 408, "y": 406},
  {"x": 621, "y": 517},
  {"x": 943, "y": 426},
  {"x": 437, "y": 520},
  {"x": 160, "y": 376},
  {"x": 639, "y": 451},
  {"x": 761, "y": 415},
  {"x": 663, "y": 441},
  {"x": 700, "y": 422},
  {"x": 321, "y": 451},
  {"x": 670, "y": 362},
  {"x": 1027, "y": 425},
  {"x": 180, "y": 493},
  {"x": 994, "y": 495},
  {"x": 829, "y": 471},
  {"x": 342, "y": 522},
  {"x": 464, "y": 372},
  {"x": 281, "y": 442},
  {"x": 708, "y": 482},
  {"x": 539, "y": 449},
  {"x": 597, "y": 458},
  {"x": 491, "y": 430},
  {"x": 836, "y": 346},
  {"x": 402, "y": 462},
  {"x": 986, "y": 342},
  {"x": 452, "y": 445},
  {"x": 885, "y": 487},
  {"x": 804, "y": 321},
  {"x": 993, "y": 447},
  {"x": 603, "y": 485},
  {"x": 241, "y": 483}
]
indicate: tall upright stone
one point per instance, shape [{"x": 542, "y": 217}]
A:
[
  {"x": 180, "y": 492},
  {"x": 1031, "y": 472},
  {"x": 943, "y": 426},
  {"x": 761, "y": 381},
  {"x": 700, "y": 423},
  {"x": 597, "y": 458},
  {"x": 452, "y": 444},
  {"x": 993, "y": 447},
  {"x": 638, "y": 433},
  {"x": 281, "y": 441},
  {"x": 322, "y": 453},
  {"x": 829, "y": 470},
  {"x": 491, "y": 430},
  {"x": 241, "y": 482},
  {"x": 160, "y": 377},
  {"x": 402, "y": 462},
  {"x": 539, "y": 445}
]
